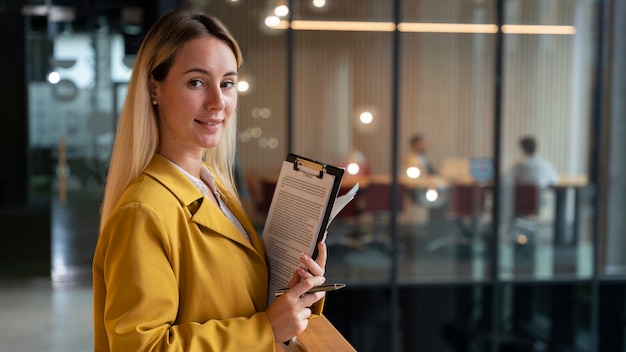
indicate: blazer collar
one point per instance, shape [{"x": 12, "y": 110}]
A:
[{"x": 203, "y": 212}]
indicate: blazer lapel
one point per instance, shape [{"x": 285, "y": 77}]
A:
[
  {"x": 243, "y": 219},
  {"x": 203, "y": 212},
  {"x": 209, "y": 216}
]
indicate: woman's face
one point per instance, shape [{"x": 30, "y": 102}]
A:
[{"x": 197, "y": 97}]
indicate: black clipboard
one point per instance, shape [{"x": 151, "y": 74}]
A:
[
  {"x": 299, "y": 215},
  {"x": 320, "y": 170}
]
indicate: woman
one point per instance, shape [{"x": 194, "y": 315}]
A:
[{"x": 178, "y": 266}]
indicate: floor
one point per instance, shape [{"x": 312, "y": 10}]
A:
[
  {"x": 46, "y": 298},
  {"x": 37, "y": 316}
]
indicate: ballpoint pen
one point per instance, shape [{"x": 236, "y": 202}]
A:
[{"x": 326, "y": 287}]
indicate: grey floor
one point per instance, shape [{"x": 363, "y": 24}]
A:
[{"x": 37, "y": 316}]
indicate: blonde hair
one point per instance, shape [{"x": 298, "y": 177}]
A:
[{"x": 137, "y": 135}]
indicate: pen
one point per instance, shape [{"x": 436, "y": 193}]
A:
[{"x": 327, "y": 287}]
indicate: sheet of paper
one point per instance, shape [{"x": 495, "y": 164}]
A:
[
  {"x": 342, "y": 201},
  {"x": 293, "y": 222}
]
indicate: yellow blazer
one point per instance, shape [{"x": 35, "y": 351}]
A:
[{"x": 172, "y": 273}]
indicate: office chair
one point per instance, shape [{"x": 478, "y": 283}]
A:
[
  {"x": 378, "y": 204},
  {"x": 525, "y": 210},
  {"x": 466, "y": 207}
]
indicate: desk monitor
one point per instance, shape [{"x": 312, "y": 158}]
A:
[{"x": 481, "y": 169}]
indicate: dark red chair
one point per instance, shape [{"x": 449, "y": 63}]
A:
[
  {"x": 526, "y": 201},
  {"x": 378, "y": 198},
  {"x": 526, "y": 205},
  {"x": 466, "y": 207},
  {"x": 467, "y": 200},
  {"x": 378, "y": 203}
]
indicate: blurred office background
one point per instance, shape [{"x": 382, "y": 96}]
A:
[{"x": 463, "y": 259}]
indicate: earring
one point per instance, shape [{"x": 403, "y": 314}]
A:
[{"x": 154, "y": 102}]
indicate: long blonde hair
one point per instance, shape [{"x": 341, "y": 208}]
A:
[{"x": 137, "y": 136}]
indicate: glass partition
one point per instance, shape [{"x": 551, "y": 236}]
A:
[
  {"x": 546, "y": 197},
  {"x": 319, "y": 79},
  {"x": 342, "y": 115},
  {"x": 446, "y": 120},
  {"x": 71, "y": 122},
  {"x": 322, "y": 81}
]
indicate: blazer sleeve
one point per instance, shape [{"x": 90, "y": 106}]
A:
[{"x": 142, "y": 299}]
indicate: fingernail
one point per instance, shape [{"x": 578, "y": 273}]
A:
[
  {"x": 301, "y": 270},
  {"x": 304, "y": 256}
]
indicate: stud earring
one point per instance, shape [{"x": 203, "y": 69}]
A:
[{"x": 154, "y": 102}]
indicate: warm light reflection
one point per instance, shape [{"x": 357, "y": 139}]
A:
[
  {"x": 413, "y": 172},
  {"x": 342, "y": 26},
  {"x": 522, "y": 239},
  {"x": 281, "y": 10},
  {"x": 353, "y": 168},
  {"x": 366, "y": 117},
  {"x": 275, "y": 22},
  {"x": 432, "y": 195},
  {"x": 485, "y": 28},
  {"x": 447, "y": 27},
  {"x": 256, "y": 132},
  {"x": 319, "y": 3},
  {"x": 536, "y": 29},
  {"x": 243, "y": 86},
  {"x": 272, "y": 143}
]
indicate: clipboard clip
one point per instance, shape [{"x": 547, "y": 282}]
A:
[{"x": 309, "y": 167}]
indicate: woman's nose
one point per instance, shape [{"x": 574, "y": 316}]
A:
[{"x": 215, "y": 99}]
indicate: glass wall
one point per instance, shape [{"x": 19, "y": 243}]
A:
[
  {"x": 455, "y": 242},
  {"x": 75, "y": 89}
]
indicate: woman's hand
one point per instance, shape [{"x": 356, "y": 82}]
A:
[{"x": 289, "y": 313}]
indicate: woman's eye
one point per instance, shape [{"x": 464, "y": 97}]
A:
[
  {"x": 196, "y": 83},
  {"x": 228, "y": 84}
]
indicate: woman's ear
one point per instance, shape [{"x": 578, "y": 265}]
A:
[{"x": 153, "y": 88}]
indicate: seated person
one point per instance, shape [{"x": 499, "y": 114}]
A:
[
  {"x": 417, "y": 156},
  {"x": 531, "y": 168}
]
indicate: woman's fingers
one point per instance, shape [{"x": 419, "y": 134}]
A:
[
  {"x": 288, "y": 314},
  {"x": 313, "y": 266},
  {"x": 300, "y": 290},
  {"x": 322, "y": 254}
]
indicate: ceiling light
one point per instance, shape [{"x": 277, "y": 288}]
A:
[
  {"x": 366, "y": 117},
  {"x": 447, "y": 27},
  {"x": 281, "y": 10},
  {"x": 319, "y": 3},
  {"x": 538, "y": 29},
  {"x": 343, "y": 26},
  {"x": 413, "y": 172},
  {"x": 243, "y": 86},
  {"x": 274, "y": 22}
]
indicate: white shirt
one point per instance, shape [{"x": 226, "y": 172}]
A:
[
  {"x": 535, "y": 170},
  {"x": 206, "y": 183}
]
